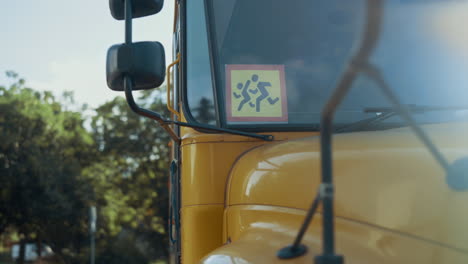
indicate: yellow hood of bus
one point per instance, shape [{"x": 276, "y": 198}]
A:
[{"x": 384, "y": 179}]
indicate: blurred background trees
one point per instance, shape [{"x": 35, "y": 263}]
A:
[{"x": 56, "y": 162}]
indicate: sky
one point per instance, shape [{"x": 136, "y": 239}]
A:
[{"x": 59, "y": 45}]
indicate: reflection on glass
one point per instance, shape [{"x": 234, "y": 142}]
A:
[
  {"x": 422, "y": 53},
  {"x": 311, "y": 40},
  {"x": 199, "y": 86},
  {"x": 204, "y": 111}
]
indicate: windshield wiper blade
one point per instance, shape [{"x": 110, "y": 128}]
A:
[
  {"x": 383, "y": 113},
  {"x": 166, "y": 122},
  {"x": 224, "y": 130},
  {"x": 415, "y": 109},
  {"x": 359, "y": 125}
]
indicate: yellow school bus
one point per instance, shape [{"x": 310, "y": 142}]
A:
[{"x": 257, "y": 91}]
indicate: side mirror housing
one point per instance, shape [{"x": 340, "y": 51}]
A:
[
  {"x": 144, "y": 62},
  {"x": 140, "y": 8}
]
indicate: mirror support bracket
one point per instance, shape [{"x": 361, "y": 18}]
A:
[
  {"x": 145, "y": 112},
  {"x": 166, "y": 123},
  {"x": 128, "y": 82},
  {"x": 156, "y": 116}
]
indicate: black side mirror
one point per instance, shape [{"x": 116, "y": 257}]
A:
[
  {"x": 140, "y": 8},
  {"x": 141, "y": 65},
  {"x": 144, "y": 62}
]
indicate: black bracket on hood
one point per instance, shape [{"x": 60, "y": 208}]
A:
[
  {"x": 455, "y": 173},
  {"x": 326, "y": 192}
]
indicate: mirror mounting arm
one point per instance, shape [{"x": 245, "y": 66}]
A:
[
  {"x": 146, "y": 112},
  {"x": 326, "y": 192},
  {"x": 157, "y": 117},
  {"x": 128, "y": 82},
  {"x": 369, "y": 42},
  {"x": 128, "y": 22},
  {"x": 166, "y": 123}
]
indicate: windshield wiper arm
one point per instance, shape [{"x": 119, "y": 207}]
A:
[
  {"x": 415, "y": 109},
  {"x": 383, "y": 113},
  {"x": 166, "y": 122},
  {"x": 224, "y": 130},
  {"x": 381, "y": 116}
]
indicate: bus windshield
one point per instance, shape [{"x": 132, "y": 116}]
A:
[{"x": 277, "y": 62}]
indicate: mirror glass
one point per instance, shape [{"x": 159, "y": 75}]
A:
[
  {"x": 140, "y": 8},
  {"x": 144, "y": 62}
]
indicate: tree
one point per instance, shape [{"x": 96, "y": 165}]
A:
[
  {"x": 132, "y": 173},
  {"x": 204, "y": 111},
  {"x": 42, "y": 152},
  {"x": 53, "y": 169}
]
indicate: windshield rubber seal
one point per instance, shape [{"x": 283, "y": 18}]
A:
[
  {"x": 218, "y": 102},
  {"x": 219, "y": 95},
  {"x": 183, "y": 65},
  {"x": 212, "y": 45}
]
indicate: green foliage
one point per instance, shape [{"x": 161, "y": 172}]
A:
[
  {"x": 135, "y": 150},
  {"x": 53, "y": 169},
  {"x": 42, "y": 152}
]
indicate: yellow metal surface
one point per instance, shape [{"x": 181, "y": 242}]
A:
[
  {"x": 206, "y": 162},
  {"x": 259, "y": 231},
  {"x": 388, "y": 189},
  {"x": 201, "y": 231},
  {"x": 205, "y": 168}
]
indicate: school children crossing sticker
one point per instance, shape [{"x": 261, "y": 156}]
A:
[{"x": 256, "y": 93}]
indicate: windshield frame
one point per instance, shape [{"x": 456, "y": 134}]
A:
[
  {"x": 218, "y": 93},
  {"x": 183, "y": 68},
  {"x": 220, "y": 104}
]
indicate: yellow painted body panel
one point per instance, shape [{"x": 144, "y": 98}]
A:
[
  {"x": 201, "y": 231},
  {"x": 205, "y": 166},
  {"x": 258, "y": 231},
  {"x": 206, "y": 160},
  {"x": 392, "y": 202}
]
